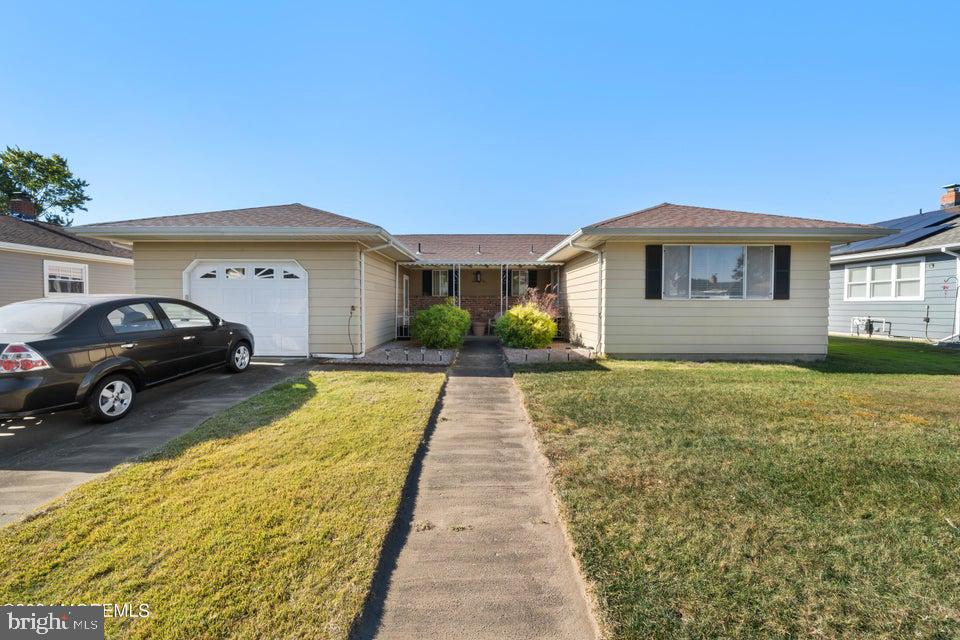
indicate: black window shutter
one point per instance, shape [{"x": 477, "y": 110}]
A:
[
  {"x": 532, "y": 278},
  {"x": 654, "y": 271},
  {"x": 781, "y": 272},
  {"x": 427, "y": 282},
  {"x": 450, "y": 282}
]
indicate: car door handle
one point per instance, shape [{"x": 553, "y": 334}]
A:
[
  {"x": 129, "y": 345},
  {"x": 189, "y": 337}
]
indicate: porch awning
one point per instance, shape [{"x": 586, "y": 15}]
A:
[{"x": 496, "y": 264}]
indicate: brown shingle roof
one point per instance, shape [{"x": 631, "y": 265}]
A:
[
  {"x": 494, "y": 247},
  {"x": 48, "y": 236},
  {"x": 281, "y": 215},
  {"x": 679, "y": 216}
]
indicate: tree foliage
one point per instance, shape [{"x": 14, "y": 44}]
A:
[{"x": 46, "y": 180}]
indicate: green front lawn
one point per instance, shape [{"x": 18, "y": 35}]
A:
[
  {"x": 761, "y": 500},
  {"x": 264, "y": 522}
]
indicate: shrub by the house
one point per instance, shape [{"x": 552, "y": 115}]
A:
[
  {"x": 442, "y": 326},
  {"x": 545, "y": 301},
  {"x": 525, "y": 327}
]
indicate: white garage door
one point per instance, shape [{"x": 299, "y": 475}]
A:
[{"x": 269, "y": 297}]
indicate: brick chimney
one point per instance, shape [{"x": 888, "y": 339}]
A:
[
  {"x": 952, "y": 196},
  {"x": 21, "y": 205}
]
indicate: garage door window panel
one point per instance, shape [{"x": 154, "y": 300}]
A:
[{"x": 269, "y": 297}]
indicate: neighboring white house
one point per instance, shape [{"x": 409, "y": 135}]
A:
[
  {"x": 39, "y": 260},
  {"x": 667, "y": 281}
]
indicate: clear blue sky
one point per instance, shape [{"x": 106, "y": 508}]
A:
[{"x": 512, "y": 117}]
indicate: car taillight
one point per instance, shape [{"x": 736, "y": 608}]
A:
[{"x": 20, "y": 357}]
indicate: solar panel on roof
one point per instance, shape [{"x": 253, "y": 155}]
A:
[
  {"x": 919, "y": 220},
  {"x": 901, "y": 239}
]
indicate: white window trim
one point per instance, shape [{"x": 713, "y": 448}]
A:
[
  {"x": 523, "y": 282},
  {"x": 895, "y": 264},
  {"x": 690, "y": 297},
  {"x": 435, "y": 284},
  {"x": 58, "y": 263}
]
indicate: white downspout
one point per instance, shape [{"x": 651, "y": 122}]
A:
[
  {"x": 363, "y": 295},
  {"x": 956, "y": 309},
  {"x": 396, "y": 299},
  {"x": 601, "y": 330}
]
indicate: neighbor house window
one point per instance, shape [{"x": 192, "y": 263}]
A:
[
  {"x": 718, "y": 272},
  {"x": 891, "y": 281},
  {"x": 62, "y": 278},
  {"x": 441, "y": 282}
]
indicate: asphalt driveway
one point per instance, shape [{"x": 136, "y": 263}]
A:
[{"x": 43, "y": 457}]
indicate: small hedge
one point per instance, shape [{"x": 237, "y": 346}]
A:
[
  {"x": 442, "y": 326},
  {"x": 525, "y": 327}
]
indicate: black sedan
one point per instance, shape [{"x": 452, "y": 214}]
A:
[{"x": 96, "y": 352}]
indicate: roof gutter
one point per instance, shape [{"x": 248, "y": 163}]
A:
[
  {"x": 885, "y": 253},
  {"x": 152, "y": 232},
  {"x": 814, "y": 232},
  {"x": 132, "y": 231},
  {"x": 64, "y": 253},
  {"x": 563, "y": 244},
  {"x": 818, "y": 233}
]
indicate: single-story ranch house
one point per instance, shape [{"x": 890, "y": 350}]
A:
[
  {"x": 40, "y": 260},
  {"x": 671, "y": 280}
]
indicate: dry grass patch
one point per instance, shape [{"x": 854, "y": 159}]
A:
[{"x": 266, "y": 521}]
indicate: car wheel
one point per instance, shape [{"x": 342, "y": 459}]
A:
[
  {"x": 110, "y": 399},
  {"x": 239, "y": 358}
]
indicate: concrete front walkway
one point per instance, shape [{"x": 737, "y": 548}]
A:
[{"x": 482, "y": 554}]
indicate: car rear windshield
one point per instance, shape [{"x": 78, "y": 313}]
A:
[{"x": 36, "y": 317}]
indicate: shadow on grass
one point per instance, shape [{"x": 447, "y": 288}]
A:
[
  {"x": 368, "y": 623},
  {"x": 863, "y": 355},
  {"x": 554, "y": 367},
  {"x": 254, "y": 413},
  {"x": 845, "y": 355}
]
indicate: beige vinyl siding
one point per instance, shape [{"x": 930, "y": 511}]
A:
[
  {"x": 22, "y": 275},
  {"x": 736, "y": 328},
  {"x": 333, "y": 278},
  {"x": 380, "y": 297},
  {"x": 106, "y": 277},
  {"x": 578, "y": 282}
]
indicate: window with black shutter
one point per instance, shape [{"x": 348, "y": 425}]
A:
[
  {"x": 427, "y": 282},
  {"x": 781, "y": 272},
  {"x": 654, "y": 280}
]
